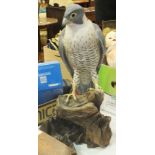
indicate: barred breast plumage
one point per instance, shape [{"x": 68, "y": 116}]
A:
[
  {"x": 82, "y": 49},
  {"x": 81, "y": 46}
]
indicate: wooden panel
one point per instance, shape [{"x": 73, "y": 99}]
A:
[{"x": 47, "y": 145}]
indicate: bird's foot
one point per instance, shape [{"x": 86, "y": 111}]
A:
[
  {"x": 71, "y": 95},
  {"x": 97, "y": 86},
  {"x": 99, "y": 89},
  {"x": 91, "y": 89}
]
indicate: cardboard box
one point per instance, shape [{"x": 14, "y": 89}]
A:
[
  {"x": 107, "y": 79},
  {"x": 48, "y": 145},
  {"x": 50, "y": 83},
  {"x": 45, "y": 111},
  {"x": 54, "y": 55}
]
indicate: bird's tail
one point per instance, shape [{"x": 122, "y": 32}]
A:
[{"x": 85, "y": 82}]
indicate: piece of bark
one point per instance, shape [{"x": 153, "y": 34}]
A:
[
  {"x": 84, "y": 112},
  {"x": 80, "y": 121},
  {"x": 66, "y": 132}
]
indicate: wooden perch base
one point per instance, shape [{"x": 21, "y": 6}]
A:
[{"x": 80, "y": 121}]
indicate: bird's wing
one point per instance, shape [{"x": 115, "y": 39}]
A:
[
  {"x": 62, "y": 52},
  {"x": 101, "y": 40}
]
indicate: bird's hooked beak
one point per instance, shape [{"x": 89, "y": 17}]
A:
[{"x": 65, "y": 22}]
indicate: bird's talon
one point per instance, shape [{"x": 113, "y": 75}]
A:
[
  {"x": 90, "y": 89},
  {"x": 69, "y": 95},
  {"x": 74, "y": 97},
  {"x": 99, "y": 89}
]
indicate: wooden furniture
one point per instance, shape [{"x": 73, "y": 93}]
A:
[
  {"x": 90, "y": 13},
  {"x": 84, "y": 3},
  {"x": 92, "y": 3},
  {"x": 39, "y": 41},
  {"x": 48, "y": 145},
  {"x": 44, "y": 23},
  {"x": 58, "y": 12},
  {"x": 55, "y": 12},
  {"x": 80, "y": 1}
]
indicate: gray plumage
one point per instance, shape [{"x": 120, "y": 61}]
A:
[{"x": 81, "y": 46}]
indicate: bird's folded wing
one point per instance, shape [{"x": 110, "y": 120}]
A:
[{"x": 62, "y": 52}]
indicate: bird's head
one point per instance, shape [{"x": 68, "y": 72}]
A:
[{"x": 74, "y": 14}]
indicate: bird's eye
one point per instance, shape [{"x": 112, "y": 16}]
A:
[{"x": 73, "y": 15}]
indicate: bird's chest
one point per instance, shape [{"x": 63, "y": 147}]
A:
[
  {"x": 79, "y": 37},
  {"x": 80, "y": 46}
]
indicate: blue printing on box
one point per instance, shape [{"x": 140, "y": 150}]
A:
[
  {"x": 47, "y": 95},
  {"x": 50, "y": 83}
]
